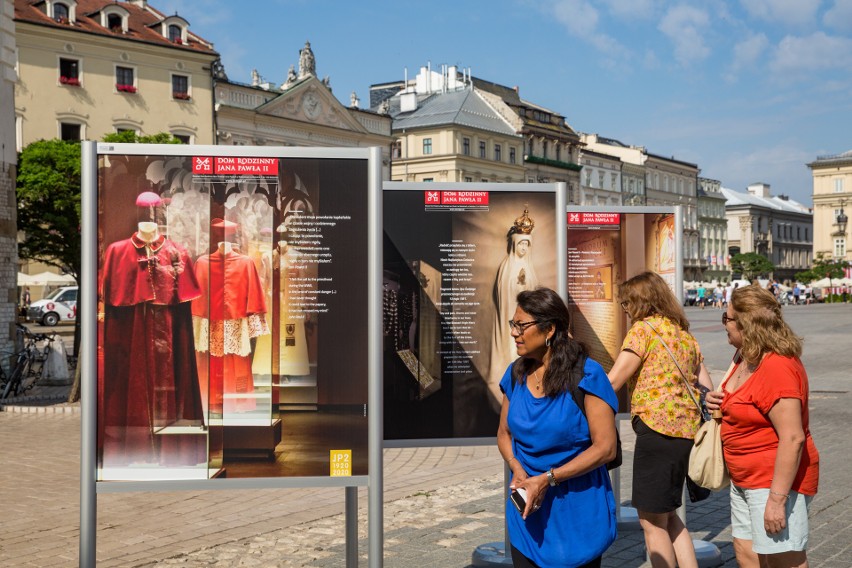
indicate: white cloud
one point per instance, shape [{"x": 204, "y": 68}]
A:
[
  {"x": 686, "y": 26},
  {"x": 839, "y": 16},
  {"x": 581, "y": 19},
  {"x": 790, "y": 12},
  {"x": 748, "y": 51},
  {"x": 631, "y": 9},
  {"x": 816, "y": 52}
]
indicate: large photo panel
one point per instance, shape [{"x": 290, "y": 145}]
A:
[
  {"x": 232, "y": 308},
  {"x": 454, "y": 262},
  {"x": 605, "y": 248}
]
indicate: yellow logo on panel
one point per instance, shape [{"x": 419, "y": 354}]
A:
[{"x": 341, "y": 463}]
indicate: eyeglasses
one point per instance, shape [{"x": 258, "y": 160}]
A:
[
  {"x": 726, "y": 319},
  {"x": 624, "y": 306},
  {"x": 521, "y": 326}
]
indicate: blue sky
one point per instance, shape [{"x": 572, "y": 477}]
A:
[{"x": 750, "y": 90}]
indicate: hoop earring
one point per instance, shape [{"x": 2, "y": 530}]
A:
[{"x": 547, "y": 342}]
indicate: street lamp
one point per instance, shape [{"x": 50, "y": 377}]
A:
[{"x": 842, "y": 219}]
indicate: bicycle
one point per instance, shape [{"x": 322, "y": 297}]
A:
[{"x": 24, "y": 375}]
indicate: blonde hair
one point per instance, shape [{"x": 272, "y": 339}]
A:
[
  {"x": 647, "y": 294},
  {"x": 759, "y": 320}
]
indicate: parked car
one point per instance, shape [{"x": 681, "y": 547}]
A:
[
  {"x": 59, "y": 305},
  {"x": 690, "y": 297}
]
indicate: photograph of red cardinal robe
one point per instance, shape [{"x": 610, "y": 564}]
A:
[
  {"x": 229, "y": 313},
  {"x": 149, "y": 379}
]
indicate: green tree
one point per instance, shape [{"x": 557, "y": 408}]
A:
[
  {"x": 823, "y": 267},
  {"x": 130, "y": 137},
  {"x": 751, "y": 265},
  {"x": 48, "y": 198},
  {"x": 48, "y": 193}
]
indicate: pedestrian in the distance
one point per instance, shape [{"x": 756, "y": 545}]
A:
[
  {"x": 769, "y": 451},
  {"x": 556, "y": 454},
  {"x": 658, "y": 358}
]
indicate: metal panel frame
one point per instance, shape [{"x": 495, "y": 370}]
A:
[
  {"x": 89, "y": 486},
  {"x": 560, "y": 191}
]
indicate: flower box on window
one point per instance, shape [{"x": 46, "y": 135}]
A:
[
  {"x": 178, "y": 41},
  {"x": 125, "y": 88},
  {"x": 181, "y": 96},
  {"x": 70, "y": 81}
]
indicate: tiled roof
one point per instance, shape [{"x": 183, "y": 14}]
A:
[
  {"x": 464, "y": 108},
  {"x": 141, "y": 23}
]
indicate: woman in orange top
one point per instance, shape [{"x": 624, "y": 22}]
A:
[
  {"x": 772, "y": 459},
  {"x": 665, "y": 417}
]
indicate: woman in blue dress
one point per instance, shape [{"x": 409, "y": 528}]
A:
[{"x": 556, "y": 454}]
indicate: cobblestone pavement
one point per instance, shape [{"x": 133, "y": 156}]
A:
[{"x": 440, "y": 503}]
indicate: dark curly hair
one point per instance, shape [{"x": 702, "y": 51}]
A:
[{"x": 567, "y": 355}]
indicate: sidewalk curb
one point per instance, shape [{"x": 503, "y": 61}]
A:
[{"x": 41, "y": 405}]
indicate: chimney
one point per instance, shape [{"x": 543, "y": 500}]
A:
[{"x": 759, "y": 189}]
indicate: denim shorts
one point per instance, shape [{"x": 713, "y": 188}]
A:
[{"x": 747, "y": 508}]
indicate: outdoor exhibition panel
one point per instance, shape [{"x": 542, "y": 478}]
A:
[
  {"x": 455, "y": 258},
  {"x": 607, "y": 246},
  {"x": 233, "y": 291}
]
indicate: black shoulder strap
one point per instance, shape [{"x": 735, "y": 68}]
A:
[{"x": 578, "y": 394}]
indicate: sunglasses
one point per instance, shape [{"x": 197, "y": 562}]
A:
[{"x": 726, "y": 319}]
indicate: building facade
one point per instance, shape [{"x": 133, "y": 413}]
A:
[
  {"x": 600, "y": 179},
  {"x": 713, "y": 231},
  {"x": 450, "y": 126},
  {"x": 773, "y": 226},
  {"x": 832, "y": 195},
  {"x": 8, "y": 158},
  {"x": 87, "y": 68},
  {"x": 667, "y": 181},
  {"x": 302, "y": 111}
]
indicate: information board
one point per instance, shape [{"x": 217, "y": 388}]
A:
[
  {"x": 605, "y": 248},
  {"x": 455, "y": 258},
  {"x": 232, "y": 312}
]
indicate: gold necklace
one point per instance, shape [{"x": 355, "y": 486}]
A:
[{"x": 538, "y": 380}]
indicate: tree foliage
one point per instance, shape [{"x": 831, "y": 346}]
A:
[
  {"x": 751, "y": 265},
  {"x": 131, "y": 137},
  {"x": 824, "y": 268},
  {"x": 48, "y": 194}
]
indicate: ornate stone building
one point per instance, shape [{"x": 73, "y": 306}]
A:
[
  {"x": 832, "y": 195},
  {"x": 301, "y": 111},
  {"x": 713, "y": 229},
  {"x": 773, "y": 226},
  {"x": 450, "y": 126},
  {"x": 87, "y": 68},
  {"x": 600, "y": 179},
  {"x": 8, "y": 158},
  {"x": 667, "y": 181}
]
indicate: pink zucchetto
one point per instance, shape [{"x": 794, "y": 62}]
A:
[{"x": 148, "y": 199}]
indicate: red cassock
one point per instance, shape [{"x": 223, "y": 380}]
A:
[
  {"x": 229, "y": 313},
  {"x": 149, "y": 379}
]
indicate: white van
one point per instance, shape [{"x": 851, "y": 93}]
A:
[{"x": 59, "y": 305}]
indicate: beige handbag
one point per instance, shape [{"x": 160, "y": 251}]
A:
[{"x": 706, "y": 461}]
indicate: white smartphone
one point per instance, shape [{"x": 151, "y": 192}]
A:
[{"x": 519, "y": 499}]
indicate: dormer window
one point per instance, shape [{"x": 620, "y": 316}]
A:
[
  {"x": 175, "y": 34},
  {"x": 61, "y": 13},
  {"x": 175, "y": 29},
  {"x": 114, "y": 18}
]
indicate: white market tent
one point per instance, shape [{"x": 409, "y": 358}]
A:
[
  {"x": 46, "y": 279},
  {"x": 824, "y": 283}
]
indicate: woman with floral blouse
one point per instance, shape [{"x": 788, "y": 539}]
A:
[{"x": 664, "y": 415}]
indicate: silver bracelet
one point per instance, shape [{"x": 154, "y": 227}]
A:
[{"x": 785, "y": 496}]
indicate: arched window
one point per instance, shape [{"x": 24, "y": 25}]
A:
[
  {"x": 114, "y": 22},
  {"x": 60, "y": 12},
  {"x": 175, "y": 33}
]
